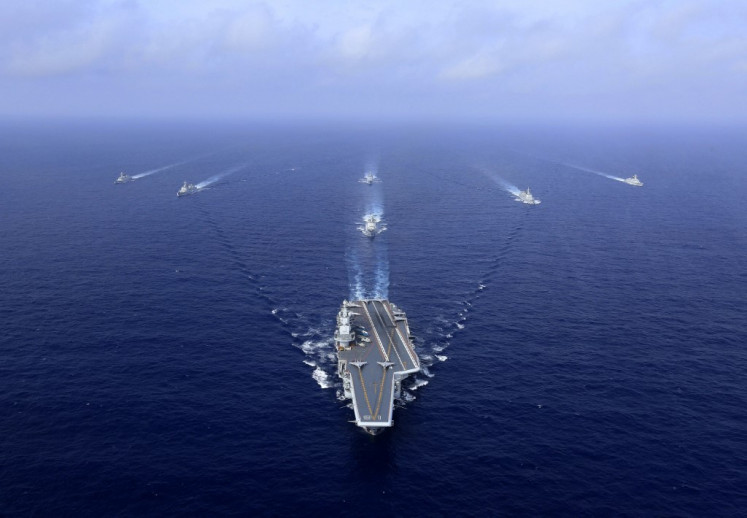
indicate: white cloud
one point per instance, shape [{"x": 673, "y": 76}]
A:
[
  {"x": 77, "y": 45},
  {"x": 478, "y": 66},
  {"x": 250, "y": 30},
  {"x": 417, "y": 55},
  {"x": 355, "y": 43}
]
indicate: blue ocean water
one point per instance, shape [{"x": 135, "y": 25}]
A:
[{"x": 165, "y": 356}]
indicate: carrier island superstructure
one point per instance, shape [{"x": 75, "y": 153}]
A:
[{"x": 374, "y": 354}]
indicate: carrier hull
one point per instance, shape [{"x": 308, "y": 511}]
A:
[{"x": 374, "y": 354}]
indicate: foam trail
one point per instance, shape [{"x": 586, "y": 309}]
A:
[
  {"x": 158, "y": 170},
  {"x": 356, "y": 292},
  {"x": 322, "y": 378},
  {"x": 503, "y": 184},
  {"x": 372, "y": 166},
  {"x": 375, "y": 206},
  {"x": 218, "y": 177},
  {"x": 355, "y": 277},
  {"x": 600, "y": 173},
  {"x": 381, "y": 289}
]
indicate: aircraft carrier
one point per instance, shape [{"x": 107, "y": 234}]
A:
[{"x": 374, "y": 354}]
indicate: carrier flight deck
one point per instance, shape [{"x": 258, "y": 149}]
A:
[{"x": 374, "y": 353}]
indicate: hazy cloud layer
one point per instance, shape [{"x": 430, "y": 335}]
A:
[{"x": 658, "y": 59}]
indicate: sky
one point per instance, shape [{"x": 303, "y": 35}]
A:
[{"x": 503, "y": 60}]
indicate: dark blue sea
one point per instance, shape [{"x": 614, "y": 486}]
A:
[{"x": 164, "y": 356}]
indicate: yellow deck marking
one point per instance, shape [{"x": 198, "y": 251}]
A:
[
  {"x": 373, "y": 329},
  {"x": 365, "y": 394},
  {"x": 381, "y": 391},
  {"x": 406, "y": 343},
  {"x": 374, "y": 415},
  {"x": 391, "y": 340},
  {"x": 383, "y": 376}
]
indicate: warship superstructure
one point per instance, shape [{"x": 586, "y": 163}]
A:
[
  {"x": 371, "y": 227},
  {"x": 186, "y": 189},
  {"x": 124, "y": 178},
  {"x": 526, "y": 197},
  {"x": 369, "y": 179},
  {"x": 633, "y": 180},
  {"x": 374, "y": 354}
]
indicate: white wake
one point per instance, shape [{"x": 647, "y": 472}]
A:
[
  {"x": 594, "y": 171},
  {"x": 218, "y": 177},
  {"x": 158, "y": 170}
]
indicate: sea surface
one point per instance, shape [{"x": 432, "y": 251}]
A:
[{"x": 164, "y": 356}]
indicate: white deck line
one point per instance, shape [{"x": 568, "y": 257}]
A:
[
  {"x": 378, "y": 338},
  {"x": 406, "y": 342},
  {"x": 394, "y": 345},
  {"x": 383, "y": 424},
  {"x": 373, "y": 423},
  {"x": 355, "y": 402},
  {"x": 396, "y": 375}
]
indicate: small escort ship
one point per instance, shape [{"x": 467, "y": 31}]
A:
[
  {"x": 374, "y": 354},
  {"x": 633, "y": 180},
  {"x": 371, "y": 227},
  {"x": 186, "y": 189},
  {"x": 526, "y": 197},
  {"x": 124, "y": 178},
  {"x": 369, "y": 179}
]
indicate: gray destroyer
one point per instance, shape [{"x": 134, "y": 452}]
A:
[
  {"x": 633, "y": 180},
  {"x": 186, "y": 189},
  {"x": 124, "y": 178},
  {"x": 374, "y": 354},
  {"x": 371, "y": 227}
]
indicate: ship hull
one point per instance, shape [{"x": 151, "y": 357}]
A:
[{"x": 373, "y": 361}]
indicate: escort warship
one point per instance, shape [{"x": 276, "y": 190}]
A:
[
  {"x": 369, "y": 179},
  {"x": 371, "y": 227},
  {"x": 186, "y": 189},
  {"x": 124, "y": 178},
  {"x": 526, "y": 197},
  {"x": 633, "y": 180}
]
